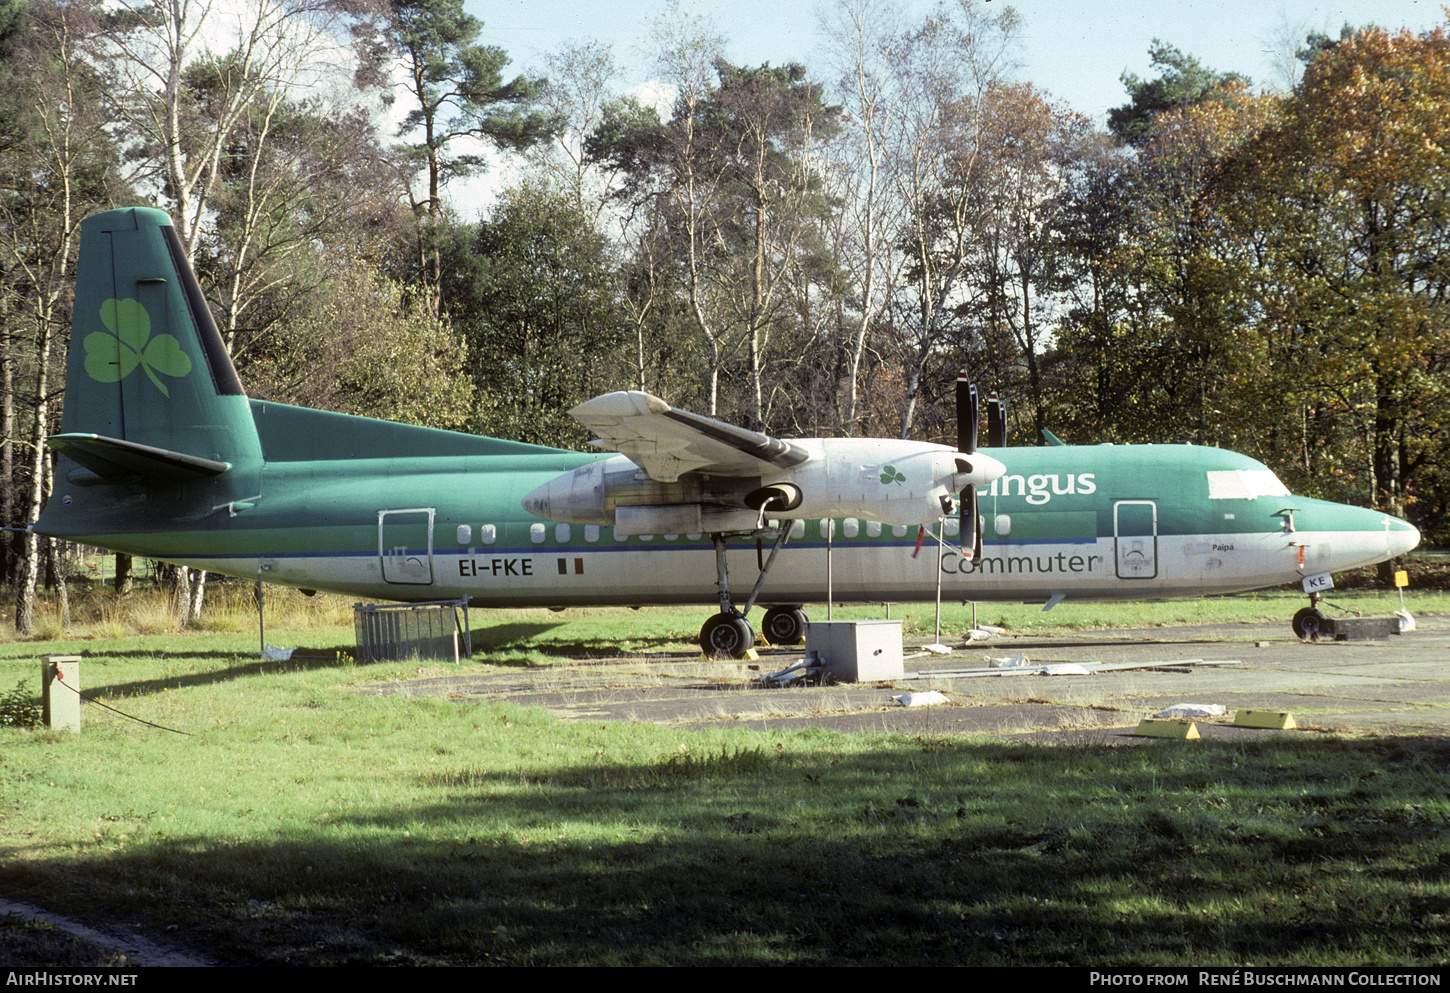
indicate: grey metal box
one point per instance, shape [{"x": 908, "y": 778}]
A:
[{"x": 857, "y": 651}]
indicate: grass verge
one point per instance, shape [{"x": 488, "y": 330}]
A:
[{"x": 300, "y": 822}]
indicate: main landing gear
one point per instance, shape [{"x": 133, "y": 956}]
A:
[
  {"x": 784, "y": 625},
  {"x": 728, "y": 633},
  {"x": 731, "y": 635}
]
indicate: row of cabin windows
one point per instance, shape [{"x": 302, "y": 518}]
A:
[{"x": 850, "y": 528}]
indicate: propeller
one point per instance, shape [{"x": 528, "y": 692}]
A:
[
  {"x": 996, "y": 422},
  {"x": 967, "y": 445}
]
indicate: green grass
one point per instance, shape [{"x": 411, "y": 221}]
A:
[{"x": 299, "y": 822}]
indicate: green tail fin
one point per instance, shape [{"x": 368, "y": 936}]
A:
[{"x": 148, "y": 369}]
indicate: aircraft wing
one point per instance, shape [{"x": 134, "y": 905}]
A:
[{"x": 666, "y": 442}]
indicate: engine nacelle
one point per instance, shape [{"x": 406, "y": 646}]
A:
[
  {"x": 594, "y": 493},
  {"x": 894, "y": 482}
]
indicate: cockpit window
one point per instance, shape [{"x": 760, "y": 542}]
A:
[{"x": 1244, "y": 484}]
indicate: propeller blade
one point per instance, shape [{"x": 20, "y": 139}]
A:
[
  {"x": 966, "y": 415},
  {"x": 969, "y": 507},
  {"x": 996, "y": 422}
]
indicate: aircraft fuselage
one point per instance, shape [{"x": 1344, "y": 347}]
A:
[{"x": 1088, "y": 522}]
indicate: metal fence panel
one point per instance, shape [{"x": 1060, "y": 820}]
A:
[{"x": 435, "y": 630}]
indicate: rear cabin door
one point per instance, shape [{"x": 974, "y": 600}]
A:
[
  {"x": 405, "y": 545},
  {"x": 1135, "y": 538}
]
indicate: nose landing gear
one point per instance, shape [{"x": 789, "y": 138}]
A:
[{"x": 1309, "y": 621}]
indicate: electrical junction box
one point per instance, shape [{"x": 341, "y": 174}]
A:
[
  {"x": 857, "y": 651},
  {"x": 60, "y": 692}
]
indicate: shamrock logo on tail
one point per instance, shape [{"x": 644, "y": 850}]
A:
[
  {"x": 890, "y": 474},
  {"x": 112, "y": 357}
]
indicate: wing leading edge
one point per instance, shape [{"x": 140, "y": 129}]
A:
[{"x": 667, "y": 443}]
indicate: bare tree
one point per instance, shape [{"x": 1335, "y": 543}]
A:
[
  {"x": 682, "y": 179},
  {"x": 945, "y": 71},
  {"x": 164, "y": 56},
  {"x": 56, "y": 175},
  {"x": 581, "y": 77},
  {"x": 861, "y": 35}
]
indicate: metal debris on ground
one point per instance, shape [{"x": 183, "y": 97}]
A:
[
  {"x": 1193, "y": 710},
  {"x": 926, "y": 698},
  {"x": 1066, "y": 669},
  {"x": 1018, "y": 665},
  {"x": 806, "y": 670}
]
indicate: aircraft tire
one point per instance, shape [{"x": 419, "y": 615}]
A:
[
  {"x": 728, "y": 635},
  {"x": 784, "y": 625},
  {"x": 1307, "y": 624}
]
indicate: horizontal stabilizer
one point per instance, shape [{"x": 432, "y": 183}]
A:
[{"x": 114, "y": 461}]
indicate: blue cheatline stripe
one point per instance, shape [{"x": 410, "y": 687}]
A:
[{"x": 641, "y": 547}]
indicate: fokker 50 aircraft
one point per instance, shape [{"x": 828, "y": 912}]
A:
[{"x": 164, "y": 455}]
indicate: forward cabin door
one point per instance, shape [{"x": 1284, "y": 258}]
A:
[
  {"x": 1135, "y": 538},
  {"x": 405, "y": 545}
]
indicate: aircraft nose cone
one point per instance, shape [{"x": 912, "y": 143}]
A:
[{"x": 1402, "y": 536}]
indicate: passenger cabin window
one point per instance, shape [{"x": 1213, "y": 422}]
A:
[
  {"x": 1002, "y": 524},
  {"x": 850, "y": 527},
  {"x": 591, "y": 532},
  {"x": 899, "y": 530},
  {"x": 828, "y": 527},
  {"x": 561, "y": 533},
  {"x": 952, "y": 526},
  {"x": 536, "y": 533},
  {"x": 797, "y": 529},
  {"x": 465, "y": 534},
  {"x": 873, "y": 529},
  {"x": 487, "y": 533}
]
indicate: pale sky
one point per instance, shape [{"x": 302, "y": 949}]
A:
[{"x": 1076, "y": 51}]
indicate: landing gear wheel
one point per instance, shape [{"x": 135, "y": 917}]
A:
[
  {"x": 1308, "y": 623},
  {"x": 784, "y": 625},
  {"x": 728, "y": 635}
]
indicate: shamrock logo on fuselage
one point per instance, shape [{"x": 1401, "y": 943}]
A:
[
  {"x": 112, "y": 357},
  {"x": 890, "y": 474}
]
